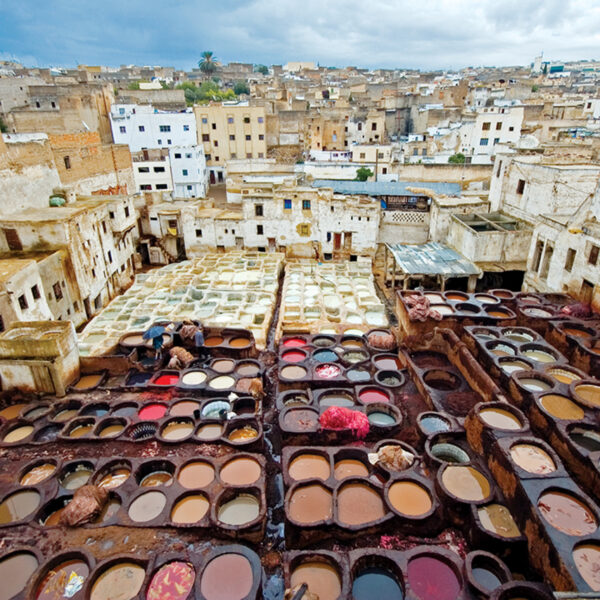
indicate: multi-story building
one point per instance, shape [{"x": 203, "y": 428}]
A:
[
  {"x": 152, "y": 170},
  {"x": 188, "y": 170}
]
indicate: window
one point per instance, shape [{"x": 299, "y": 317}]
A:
[
  {"x": 12, "y": 239},
  {"x": 104, "y": 226},
  {"x": 261, "y": 136},
  {"x": 216, "y": 143},
  {"x": 172, "y": 223},
  {"x": 261, "y": 119},
  {"x": 67, "y": 162},
  {"x": 23, "y": 302},
  {"x": 329, "y": 236},
  {"x": 373, "y": 126},
  {"x": 362, "y": 155},
  {"x": 169, "y": 142},
  {"x": 189, "y": 188},
  {"x": 511, "y": 128},
  {"x": 35, "y": 292},
  {"x": 186, "y": 127},
  {"x": 496, "y": 140},
  {"x": 233, "y": 155},
  {"x": 146, "y": 187},
  {"x": 287, "y": 204},
  {"x": 161, "y": 186},
  {"x": 37, "y": 104},
  {"x": 123, "y": 129},
  {"x": 259, "y": 230},
  {"x": 141, "y": 128},
  {"x": 498, "y": 125},
  {"x": 571, "y": 254},
  {"x": 248, "y": 154},
  {"x": 188, "y": 155},
  {"x": 216, "y": 158},
  {"x": 593, "y": 254},
  {"x": 230, "y": 120},
  {"x": 75, "y": 306},
  {"x": 520, "y": 186},
  {"x": 258, "y": 210},
  {"x": 205, "y": 137},
  {"x": 198, "y": 232},
  {"x": 246, "y": 119},
  {"x": 248, "y": 138},
  {"x": 214, "y": 125},
  {"x": 177, "y": 155},
  {"x": 499, "y": 168},
  {"x": 126, "y": 211},
  {"x": 485, "y": 126},
  {"x": 232, "y": 137},
  {"x": 159, "y": 142},
  {"x": 537, "y": 256},
  {"x": 483, "y": 141},
  {"x": 304, "y": 230},
  {"x": 184, "y": 172},
  {"x": 164, "y": 128},
  {"x": 204, "y": 120},
  {"x": 380, "y": 155},
  {"x": 360, "y": 126},
  {"x": 109, "y": 256},
  {"x": 159, "y": 169},
  {"x": 57, "y": 291},
  {"x": 261, "y": 155},
  {"x": 305, "y": 204},
  {"x": 143, "y": 169}
]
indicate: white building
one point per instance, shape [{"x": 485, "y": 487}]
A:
[
  {"x": 152, "y": 173},
  {"x": 143, "y": 127},
  {"x": 188, "y": 170}
]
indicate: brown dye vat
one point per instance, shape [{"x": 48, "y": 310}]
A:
[
  {"x": 587, "y": 561},
  {"x": 293, "y": 372},
  {"x": 310, "y": 504},
  {"x": 16, "y": 571},
  {"x": 240, "y": 471},
  {"x": 81, "y": 431},
  {"x": 184, "y": 408},
  {"x": 561, "y": 407},
  {"x": 38, "y": 474},
  {"x": 136, "y": 339},
  {"x": 212, "y": 341},
  {"x": 498, "y": 519},
  {"x": 53, "y": 519},
  {"x": 223, "y": 365},
  {"x": 358, "y": 504},
  {"x": 76, "y": 478},
  {"x": 65, "y": 415},
  {"x": 567, "y": 513},
  {"x": 88, "y": 381},
  {"x": 301, "y": 420},
  {"x": 18, "y": 434},
  {"x": 156, "y": 479},
  {"x": 349, "y": 467},
  {"x": 240, "y": 510},
  {"x": 563, "y": 376},
  {"x": 210, "y": 431},
  {"x": 147, "y": 507},
  {"x": 190, "y": 509},
  {"x": 122, "y": 581},
  {"x": 466, "y": 483},
  {"x": 532, "y": 459},
  {"x": 109, "y": 511},
  {"x": 580, "y": 333},
  {"x": 177, "y": 431},
  {"x": 12, "y": 412},
  {"x": 18, "y": 506},
  {"x": 55, "y": 585},
  {"x": 322, "y": 579},
  {"x": 243, "y": 434},
  {"x": 111, "y": 430},
  {"x": 197, "y": 474},
  {"x": 589, "y": 393},
  {"x": 247, "y": 370},
  {"x": 309, "y": 466},
  {"x": 500, "y": 419},
  {"x": 227, "y": 577},
  {"x": 115, "y": 478},
  {"x": 240, "y": 342},
  {"x": 409, "y": 498}
]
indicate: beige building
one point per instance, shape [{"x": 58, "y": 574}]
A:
[{"x": 230, "y": 131}]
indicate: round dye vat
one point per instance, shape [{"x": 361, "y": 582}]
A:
[
  {"x": 194, "y": 378},
  {"x": 539, "y": 356},
  {"x": 293, "y": 372},
  {"x": 88, "y": 381},
  {"x": 587, "y": 561},
  {"x": 409, "y": 498},
  {"x": 358, "y": 375},
  {"x": 16, "y": 571},
  {"x": 125, "y": 410},
  {"x": 536, "y": 312},
  {"x": 147, "y": 506},
  {"x": 359, "y": 504},
  {"x": 370, "y": 395},
  {"x": 177, "y": 430},
  {"x": 190, "y": 509},
  {"x": 216, "y": 409},
  {"x": 166, "y": 379},
  {"x": 247, "y": 370},
  {"x": 94, "y": 410},
  {"x": 135, "y": 339},
  {"x": 387, "y": 363},
  {"x": 223, "y": 382},
  {"x": 355, "y": 356},
  {"x": 81, "y": 430},
  {"x": 432, "y": 579},
  {"x": 63, "y": 580},
  {"x": 486, "y": 579},
  {"x": 77, "y": 477},
  {"x": 381, "y": 419},
  {"x": 349, "y": 467},
  {"x": 65, "y": 415},
  {"x": 223, "y": 365},
  {"x": 310, "y": 504},
  {"x": 466, "y": 483},
  {"x": 456, "y": 296},
  {"x": 185, "y": 408},
  {"x": 576, "y": 332},
  {"x": 498, "y": 314},
  {"x": 239, "y": 342},
  {"x": 214, "y": 340},
  {"x": 567, "y": 513},
  {"x": 322, "y": 579},
  {"x": 586, "y": 438},
  {"x": 497, "y": 519},
  {"x": 561, "y": 407},
  {"x": 18, "y": 434},
  {"x": 433, "y": 424},
  {"x": 227, "y": 577},
  {"x": 502, "y": 350},
  {"x": 301, "y": 420},
  {"x": 36, "y": 413},
  {"x": 173, "y": 581},
  {"x": 240, "y": 471},
  {"x": 243, "y": 434},
  {"x": 54, "y": 517},
  {"x": 450, "y": 453},
  {"x": 443, "y": 309},
  {"x": 211, "y": 431},
  {"x": 197, "y": 474},
  {"x": 19, "y": 506},
  {"x": 38, "y": 474},
  {"x": 515, "y": 335},
  {"x": 376, "y": 583},
  {"x": 109, "y": 511},
  {"x": 294, "y": 342},
  {"x": 325, "y": 356},
  {"x": 512, "y": 366},
  {"x": 293, "y": 356},
  {"x": 240, "y": 510},
  {"x": 534, "y": 385},
  {"x": 156, "y": 479},
  {"x": 589, "y": 393},
  {"x": 532, "y": 459},
  {"x": 152, "y": 412},
  {"x": 122, "y": 581},
  {"x": 500, "y": 419},
  {"x": 336, "y": 399},
  {"x": 111, "y": 430},
  {"x": 115, "y": 478},
  {"x": 327, "y": 371},
  {"x": 309, "y": 466},
  {"x": 563, "y": 375},
  {"x": 12, "y": 412}
]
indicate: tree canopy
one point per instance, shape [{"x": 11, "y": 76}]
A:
[
  {"x": 457, "y": 159},
  {"x": 261, "y": 69},
  {"x": 363, "y": 173},
  {"x": 241, "y": 87},
  {"x": 207, "y": 91},
  {"x": 207, "y": 63}
]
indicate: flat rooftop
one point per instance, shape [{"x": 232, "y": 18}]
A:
[{"x": 389, "y": 188}]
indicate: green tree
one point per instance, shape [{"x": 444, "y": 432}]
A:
[
  {"x": 133, "y": 85},
  {"x": 363, "y": 173},
  {"x": 457, "y": 159},
  {"x": 261, "y": 69},
  {"x": 164, "y": 85},
  {"x": 3, "y": 127},
  {"x": 535, "y": 87},
  {"x": 207, "y": 63},
  {"x": 241, "y": 87},
  {"x": 207, "y": 91}
]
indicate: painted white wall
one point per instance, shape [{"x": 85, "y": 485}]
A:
[{"x": 188, "y": 170}]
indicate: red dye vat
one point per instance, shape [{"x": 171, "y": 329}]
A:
[
  {"x": 327, "y": 371},
  {"x": 151, "y": 412},
  {"x": 173, "y": 581},
  {"x": 432, "y": 579},
  {"x": 166, "y": 379},
  {"x": 294, "y": 342},
  {"x": 371, "y": 395},
  {"x": 293, "y": 356}
]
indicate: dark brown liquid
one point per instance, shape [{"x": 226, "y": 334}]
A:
[
  {"x": 359, "y": 504},
  {"x": 310, "y": 504}
]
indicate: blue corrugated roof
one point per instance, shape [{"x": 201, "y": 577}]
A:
[
  {"x": 432, "y": 258},
  {"x": 387, "y": 188}
]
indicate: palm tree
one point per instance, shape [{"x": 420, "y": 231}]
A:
[{"x": 208, "y": 63}]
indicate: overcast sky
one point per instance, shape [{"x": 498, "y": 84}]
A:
[{"x": 426, "y": 34}]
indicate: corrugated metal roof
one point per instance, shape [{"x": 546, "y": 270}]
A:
[
  {"x": 387, "y": 188},
  {"x": 432, "y": 258}
]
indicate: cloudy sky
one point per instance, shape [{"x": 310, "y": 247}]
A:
[{"x": 426, "y": 34}]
